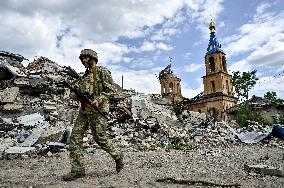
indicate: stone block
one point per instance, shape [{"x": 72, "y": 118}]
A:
[
  {"x": 11, "y": 107},
  {"x": 9, "y": 95},
  {"x": 18, "y": 150}
]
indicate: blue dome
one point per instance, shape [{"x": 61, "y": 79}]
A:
[{"x": 213, "y": 46}]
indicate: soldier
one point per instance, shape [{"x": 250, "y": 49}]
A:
[{"x": 97, "y": 83}]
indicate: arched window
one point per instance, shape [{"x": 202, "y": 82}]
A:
[
  {"x": 178, "y": 88},
  {"x": 211, "y": 64},
  {"x": 171, "y": 87},
  {"x": 224, "y": 63},
  {"x": 213, "y": 89}
]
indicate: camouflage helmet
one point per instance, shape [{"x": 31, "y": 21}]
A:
[{"x": 90, "y": 53}]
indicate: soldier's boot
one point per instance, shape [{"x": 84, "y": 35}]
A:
[
  {"x": 119, "y": 163},
  {"x": 73, "y": 175}
]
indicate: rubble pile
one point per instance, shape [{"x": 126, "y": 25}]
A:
[
  {"x": 36, "y": 116},
  {"x": 155, "y": 126},
  {"x": 34, "y": 105}
]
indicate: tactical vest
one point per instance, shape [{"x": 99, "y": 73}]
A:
[{"x": 102, "y": 85}]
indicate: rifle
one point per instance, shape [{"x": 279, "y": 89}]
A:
[{"x": 82, "y": 97}]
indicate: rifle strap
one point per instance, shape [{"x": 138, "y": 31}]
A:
[{"x": 94, "y": 81}]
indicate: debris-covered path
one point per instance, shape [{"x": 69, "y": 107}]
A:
[{"x": 221, "y": 166}]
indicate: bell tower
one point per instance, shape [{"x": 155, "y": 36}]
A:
[
  {"x": 170, "y": 85},
  {"x": 217, "y": 96},
  {"x": 217, "y": 79}
]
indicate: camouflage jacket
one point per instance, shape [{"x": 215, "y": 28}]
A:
[{"x": 101, "y": 90}]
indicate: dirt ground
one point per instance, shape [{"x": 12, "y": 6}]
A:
[{"x": 223, "y": 166}]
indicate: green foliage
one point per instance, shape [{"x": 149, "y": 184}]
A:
[
  {"x": 243, "y": 83},
  {"x": 245, "y": 115},
  {"x": 176, "y": 143},
  {"x": 280, "y": 120},
  {"x": 178, "y": 108},
  {"x": 213, "y": 112},
  {"x": 272, "y": 96}
]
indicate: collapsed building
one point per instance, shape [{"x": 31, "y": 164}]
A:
[
  {"x": 36, "y": 115},
  {"x": 35, "y": 108},
  {"x": 262, "y": 108}
]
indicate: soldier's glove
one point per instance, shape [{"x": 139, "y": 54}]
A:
[{"x": 95, "y": 103}]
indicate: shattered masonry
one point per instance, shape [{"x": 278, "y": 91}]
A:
[{"x": 36, "y": 116}]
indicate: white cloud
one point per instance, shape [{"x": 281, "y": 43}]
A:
[
  {"x": 270, "y": 54},
  {"x": 163, "y": 46},
  {"x": 189, "y": 92},
  {"x": 170, "y": 27},
  {"x": 204, "y": 12},
  {"x": 144, "y": 81},
  {"x": 147, "y": 46},
  {"x": 263, "y": 39},
  {"x": 152, "y": 46},
  {"x": 256, "y": 33},
  {"x": 242, "y": 66},
  {"x": 59, "y": 30},
  {"x": 111, "y": 52},
  {"x": 266, "y": 84},
  {"x": 187, "y": 56},
  {"x": 262, "y": 7},
  {"x": 27, "y": 35},
  {"x": 193, "y": 67}
]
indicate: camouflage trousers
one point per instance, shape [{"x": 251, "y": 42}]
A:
[{"x": 97, "y": 123}]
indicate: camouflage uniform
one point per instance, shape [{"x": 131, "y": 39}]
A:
[{"x": 90, "y": 118}]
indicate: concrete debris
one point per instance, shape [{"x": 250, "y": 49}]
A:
[
  {"x": 251, "y": 137},
  {"x": 34, "y": 136},
  {"x": 8, "y": 70},
  {"x": 6, "y": 125},
  {"x": 49, "y": 106},
  {"x": 256, "y": 133},
  {"x": 18, "y": 150},
  {"x": 66, "y": 137},
  {"x": 31, "y": 120},
  {"x": 9, "y": 95},
  {"x": 265, "y": 170},
  {"x": 55, "y": 146},
  {"x": 21, "y": 81},
  {"x": 12, "y": 108},
  {"x": 14, "y": 152},
  {"x": 35, "y": 109},
  {"x": 13, "y": 59}
]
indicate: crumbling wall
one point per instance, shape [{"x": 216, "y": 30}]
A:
[{"x": 36, "y": 114}]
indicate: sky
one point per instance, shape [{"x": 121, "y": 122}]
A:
[{"x": 136, "y": 38}]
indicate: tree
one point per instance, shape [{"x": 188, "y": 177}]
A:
[
  {"x": 243, "y": 114},
  {"x": 244, "y": 82},
  {"x": 272, "y": 96}
]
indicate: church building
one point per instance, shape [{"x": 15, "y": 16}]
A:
[{"x": 217, "y": 96}]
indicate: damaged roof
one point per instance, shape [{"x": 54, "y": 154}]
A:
[
  {"x": 8, "y": 71},
  {"x": 167, "y": 72},
  {"x": 17, "y": 57}
]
